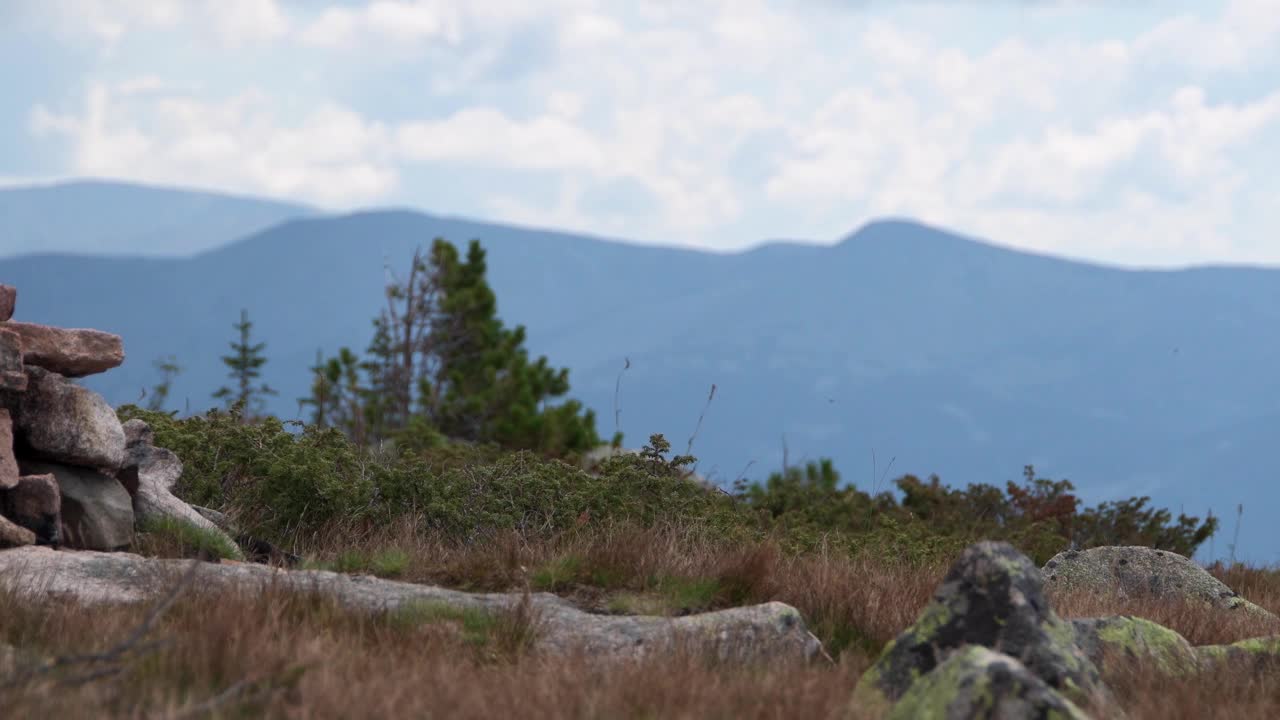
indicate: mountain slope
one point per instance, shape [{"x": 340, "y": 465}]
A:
[
  {"x": 113, "y": 218},
  {"x": 943, "y": 353}
]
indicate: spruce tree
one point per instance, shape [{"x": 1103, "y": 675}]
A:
[
  {"x": 487, "y": 390},
  {"x": 441, "y": 364},
  {"x": 245, "y": 364}
]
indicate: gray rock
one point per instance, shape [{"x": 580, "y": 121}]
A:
[
  {"x": 1127, "y": 639},
  {"x": 35, "y": 503},
  {"x": 1257, "y": 655},
  {"x": 759, "y": 633},
  {"x": 975, "y": 683},
  {"x": 1141, "y": 573},
  {"x": 149, "y": 474},
  {"x": 993, "y": 597},
  {"x": 97, "y": 512},
  {"x": 63, "y": 422},
  {"x": 138, "y": 432}
]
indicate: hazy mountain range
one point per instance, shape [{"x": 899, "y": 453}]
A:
[
  {"x": 943, "y": 353},
  {"x": 110, "y": 218}
]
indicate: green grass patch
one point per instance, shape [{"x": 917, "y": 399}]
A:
[
  {"x": 477, "y": 624},
  {"x": 172, "y": 537},
  {"x": 385, "y": 563},
  {"x": 558, "y": 574},
  {"x": 686, "y": 595}
]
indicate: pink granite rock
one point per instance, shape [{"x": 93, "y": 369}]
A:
[
  {"x": 8, "y": 298},
  {"x": 35, "y": 504},
  {"x": 69, "y": 352},
  {"x": 8, "y": 463},
  {"x": 59, "y": 420},
  {"x": 13, "y": 535},
  {"x": 12, "y": 376}
]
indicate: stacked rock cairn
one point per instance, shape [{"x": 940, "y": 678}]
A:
[{"x": 71, "y": 475}]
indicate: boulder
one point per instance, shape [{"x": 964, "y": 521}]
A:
[
  {"x": 8, "y": 299},
  {"x": 73, "y": 352},
  {"x": 61, "y": 421},
  {"x": 8, "y": 463},
  {"x": 149, "y": 474},
  {"x": 35, "y": 504},
  {"x": 14, "y": 535},
  {"x": 1252, "y": 655},
  {"x": 97, "y": 512},
  {"x": 138, "y": 432},
  {"x": 12, "y": 377},
  {"x": 993, "y": 596},
  {"x": 1141, "y": 573},
  {"x": 1126, "y": 639},
  {"x": 975, "y": 683},
  {"x": 772, "y": 632}
]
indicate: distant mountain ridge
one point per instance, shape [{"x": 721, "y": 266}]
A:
[
  {"x": 939, "y": 352},
  {"x": 113, "y": 218}
]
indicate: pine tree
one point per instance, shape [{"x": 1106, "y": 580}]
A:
[
  {"x": 441, "y": 364},
  {"x": 245, "y": 364},
  {"x": 322, "y": 398},
  {"x": 486, "y": 389}
]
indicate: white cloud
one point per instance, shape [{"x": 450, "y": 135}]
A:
[
  {"x": 731, "y": 120},
  {"x": 484, "y": 136},
  {"x": 1244, "y": 29},
  {"x": 332, "y": 156},
  {"x": 233, "y": 22},
  {"x": 383, "y": 20}
]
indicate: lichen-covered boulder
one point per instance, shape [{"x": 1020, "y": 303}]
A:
[
  {"x": 1254, "y": 654},
  {"x": 975, "y": 683},
  {"x": 1127, "y": 638},
  {"x": 97, "y": 512},
  {"x": 993, "y": 596},
  {"x": 1141, "y": 573},
  {"x": 60, "y": 421}
]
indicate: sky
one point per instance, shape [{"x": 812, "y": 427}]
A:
[{"x": 1143, "y": 133}]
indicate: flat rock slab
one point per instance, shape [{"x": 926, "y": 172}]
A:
[
  {"x": 73, "y": 352},
  {"x": 769, "y": 632}
]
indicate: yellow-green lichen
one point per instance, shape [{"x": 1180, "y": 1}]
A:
[
  {"x": 934, "y": 694},
  {"x": 1140, "y": 638}
]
